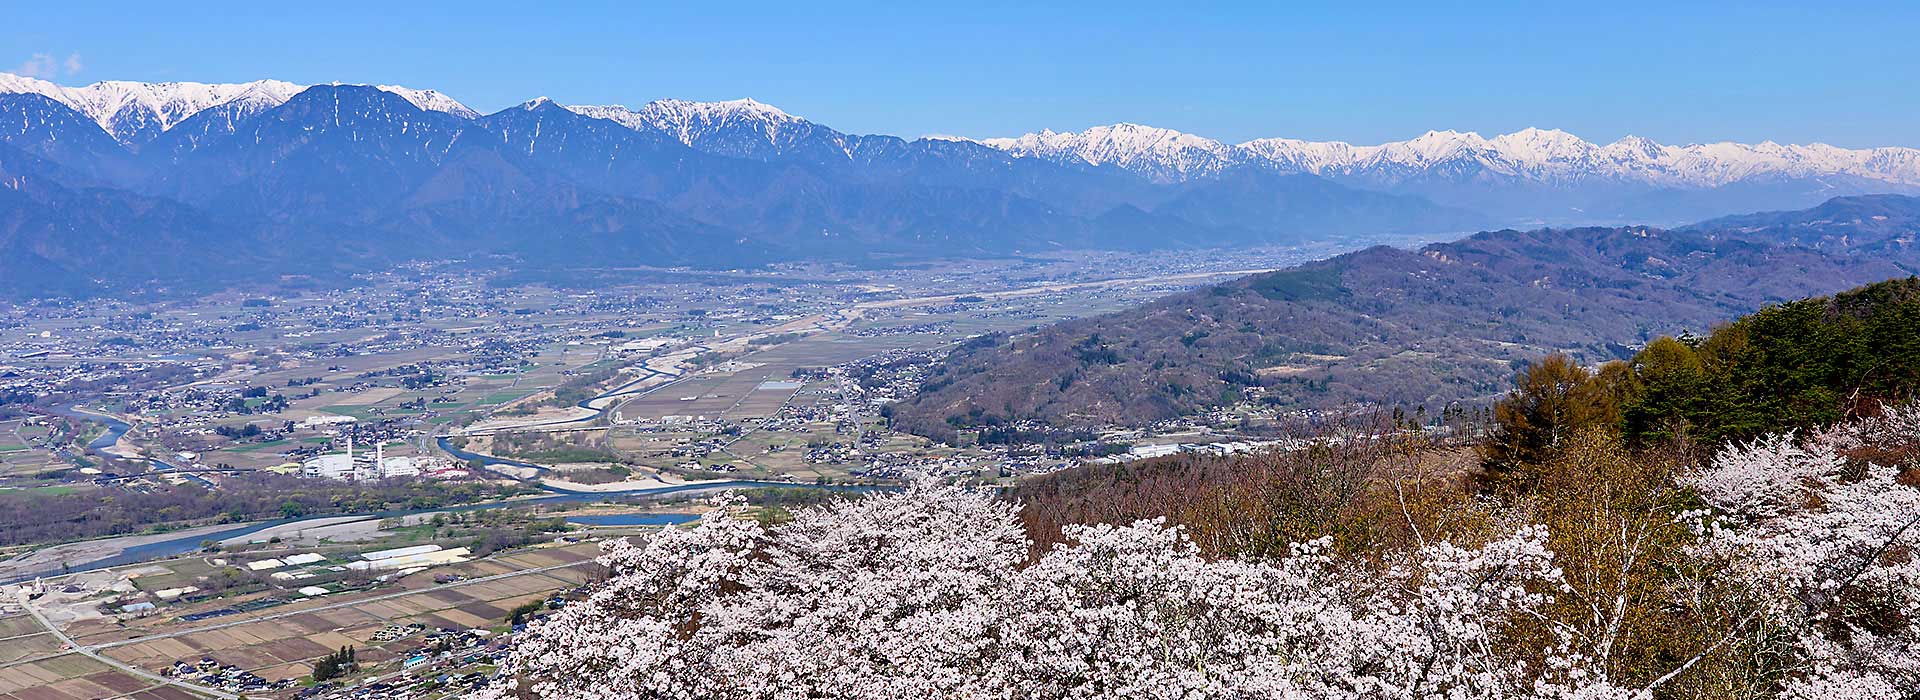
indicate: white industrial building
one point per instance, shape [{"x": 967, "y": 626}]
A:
[
  {"x": 324, "y": 421},
  {"x": 646, "y": 344},
  {"x": 410, "y": 557},
  {"x": 359, "y": 467}
]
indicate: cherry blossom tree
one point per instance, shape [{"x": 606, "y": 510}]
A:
[
  {"x": 930, "y": 592},
  {"x": 927, "y": 593},
  {"x": 1821, "y": 527}
]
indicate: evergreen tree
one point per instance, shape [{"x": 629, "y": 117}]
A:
[{"x": 1552, "y": 399}]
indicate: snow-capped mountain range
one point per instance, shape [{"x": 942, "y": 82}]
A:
[
  {"x": 133, "y": 112},
  {"x": 1547, "y": 156},
  {"x": 171, "y": 179},
  {"x": 688, "y": 122},
  {"x": 743, "y": 128}
]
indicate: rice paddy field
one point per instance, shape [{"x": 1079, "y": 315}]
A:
[
  {"x": 76, "y": 677},
  {"x": 277, "y": 641},
  {"x": 18, "y": 455}
]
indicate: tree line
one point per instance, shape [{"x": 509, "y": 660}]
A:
[
  {"x": 1732, "y": 515},
  {"x": 1790, "y": 366},
  {"x": 105, "y": 511}
]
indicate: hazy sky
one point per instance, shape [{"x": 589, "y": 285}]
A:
[{"x": 1353, "y": 71}]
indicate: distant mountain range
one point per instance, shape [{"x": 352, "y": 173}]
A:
[
  {"x": 1415, "y": 328},
  {"x": 1547, "y": 175},
  {"x": 180, "y": 186}
]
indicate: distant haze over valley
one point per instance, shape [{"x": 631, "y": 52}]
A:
[
  {"x": 177, "y": 185},
  {"x": 1570, "y": 359},
  {"x": 1390, "y": 327}
]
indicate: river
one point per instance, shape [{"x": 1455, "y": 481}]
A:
[
  {"x": 188, "y": 543},
  {"x": 116, "y": 428},
  {"x": 185, "y": 544}
]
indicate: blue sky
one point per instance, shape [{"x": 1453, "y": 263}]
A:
[{"x": 1360, "y": 72}]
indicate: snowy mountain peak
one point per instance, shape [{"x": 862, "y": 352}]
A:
[
  {"x": 695, "y": 123},
  {"x": 1540, "y": 146},
  {"x": 1542, "y": 140},
  {"x": 1634, "y": 148},
  {"x": 128, "y": 109},
  {"x": 1532, "y": 154},
  {"x": 745, "y": 108},
  {"x": 432, "y": 101},
  {"x": 1162, "y": 154},
  {"x": 1434, "y": 147},
  {"x": 1295, "y": 155},
  {"x": 616, "y": 113},
  {"x": 25, "y": 85},
  {"x": 1120, "y": 137},
  {"x": 132, "y": 111}
]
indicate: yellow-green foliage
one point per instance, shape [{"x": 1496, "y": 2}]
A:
[{"x": 1793, "y": 365}]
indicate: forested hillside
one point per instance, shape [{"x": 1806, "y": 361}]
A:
[
  {"x": 1873, "y": 224},
  {"x": 1409, "y": 328},
  {"x": 1772, "y": 569},
  {"x": 1790, "y": 366},
  {"x": 1785, "y": 442}
]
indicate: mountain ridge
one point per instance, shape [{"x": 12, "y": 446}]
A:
[
  {"x": 1546, "y": 154},
  {"x": 1411, "y": 328},
  {"x": 134, "y": 112},
  {"x": 371, "y": 175},
  {"x": 131, "y": 109},
  {"x": 365, "y": 176}
]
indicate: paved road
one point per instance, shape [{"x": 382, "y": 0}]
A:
[{"x": 94, "y": 653}]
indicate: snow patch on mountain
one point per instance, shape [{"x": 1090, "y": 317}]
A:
[
  {"x": 689, "y": 122},
  {"x": 1161, "y": 154},
  {"x": 126, "y": 108},
  {"x": 432, "y": 101},
  {"x": 1542, "y": 155},
  {"x": 629, "y": 118},
  {"x": 134, "y": 112},
  {"x": 130, "y": 110}
]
